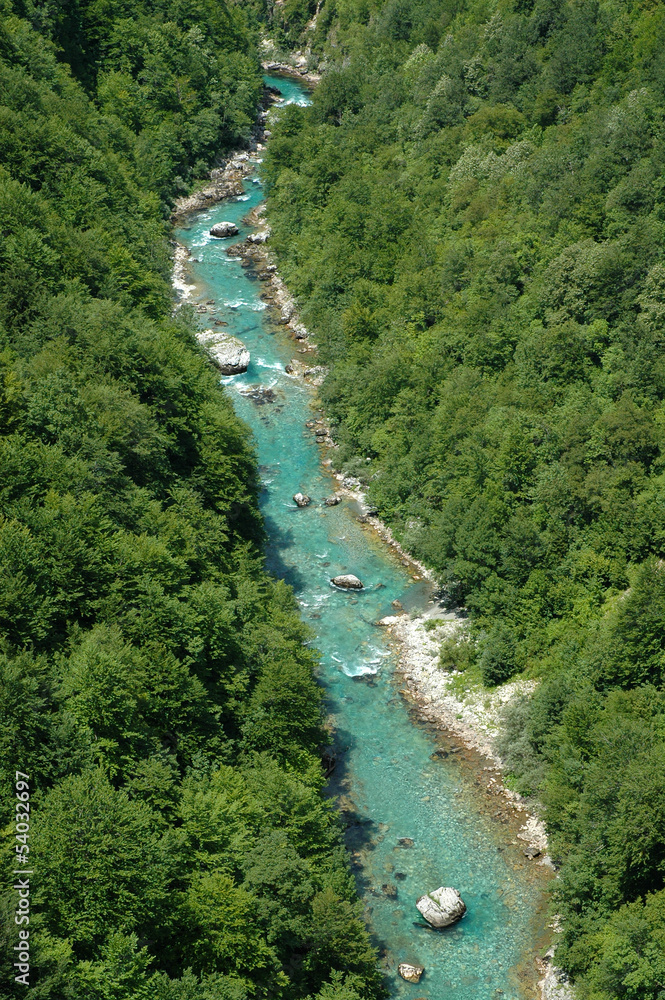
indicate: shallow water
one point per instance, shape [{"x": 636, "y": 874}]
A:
[{"x": 392, "y": 789}]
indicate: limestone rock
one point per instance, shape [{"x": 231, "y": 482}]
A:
[
  {"x": 411, "y": 973},
  {"x": 347, "y": 581},
  {"x": 223, "y": 229},
  {"x": 442, "y": 907},
  {"x": 331, "y": 501},
  {"x": 228, "y": 353},
  {"x": 302, "y": 500}
]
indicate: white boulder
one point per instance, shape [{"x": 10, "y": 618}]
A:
[
  {"x": 223, "y": 229},
  {"x": 347, "y": 581},
  {"x": 302, "y": 500},
  {"x": 442, "y": 907},
  {"x": 228, "y": 353}
]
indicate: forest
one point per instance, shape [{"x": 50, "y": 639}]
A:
[
  {"x": 472, "y": 215},
  {"x": 156, "y": 686}
]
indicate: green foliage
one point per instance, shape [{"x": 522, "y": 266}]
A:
[
  {"x": 155, "y": 683},
  {"x": 102, "y": 862}
]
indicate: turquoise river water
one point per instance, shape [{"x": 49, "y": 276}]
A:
[{"x": 391, "y": 786}]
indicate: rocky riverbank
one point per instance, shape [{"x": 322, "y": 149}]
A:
[
  {"x": 474, "y": 717},
  {"x": 255, "y": 254},
  {"x": 298, "y": 69}
]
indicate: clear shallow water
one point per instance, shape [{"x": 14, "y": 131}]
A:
[{"x": 389, "y": 785}]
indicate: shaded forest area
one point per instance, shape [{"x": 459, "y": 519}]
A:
[
  {"x": 155, "y": 683},
  {"x": 472, "y": 214}
]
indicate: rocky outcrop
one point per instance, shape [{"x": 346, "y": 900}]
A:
[
  {"x": 332, "y": 501},
  {"x": 297, "y": 71},
  {"x": 314, "y": 375},
  {"x": 225, "y": 182},
  {"x": 555, "y": 985},
  {"x": 411, "y": 973},
  {"x": 442, "y": 907},
  {"x": 229, "y": 354},
  {"x": 347, "y": 581},
  {"x": 302, "y": 500},
  {"x": 222, "y": 230}
]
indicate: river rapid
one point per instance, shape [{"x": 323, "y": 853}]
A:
[{"x": 388, "y": 784}]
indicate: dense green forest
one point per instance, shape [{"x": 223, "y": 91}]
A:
[
  {"x": 156, "y": 685},
  {"x": 285, "y": 24},
  {"x": 472, "y": 214}
]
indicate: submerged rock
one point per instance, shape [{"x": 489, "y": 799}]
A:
[
  {"x": 405, "y": 842},
  {"x": 259, "y": 394},
  {"x": 442, "y": 907},
  {"x": 228, "y": 353},
  {"x": 411, "y": 973},
  {"x": 347, "y": 581},
  {"x": 223, "y": 229},
  {"x": 302, "y": 500}
]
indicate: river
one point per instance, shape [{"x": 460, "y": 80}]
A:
[{"x": 391, "y": 787}]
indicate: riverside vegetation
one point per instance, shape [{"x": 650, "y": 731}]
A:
[
  {"x": 472, "y": 214},
  {"x": 155, "y": 683}
]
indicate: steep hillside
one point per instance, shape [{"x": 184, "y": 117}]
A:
[
  {"x": 158, "y": 712},
  {"x": 472, "y": 214}
]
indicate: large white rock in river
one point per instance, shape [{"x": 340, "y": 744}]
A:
[
  {"x": 347, "y": 581},
  {"x": 229, "y": 353},
  {"x": 223, "y": 229},
  {"x": 442, "y": 907}
]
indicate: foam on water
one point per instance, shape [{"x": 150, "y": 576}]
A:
[
  {"x": 389, "y": 781},
  {"x": 275, "y": 366}
]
